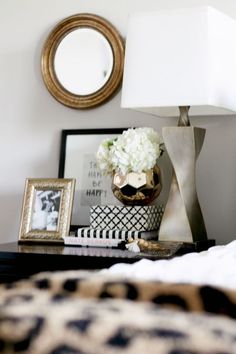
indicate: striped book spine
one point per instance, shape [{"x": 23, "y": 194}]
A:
[
  {"x": 87, "y": 236},
  {"x": 87, "y": 232},
  {"x": 100, "y": 238}
]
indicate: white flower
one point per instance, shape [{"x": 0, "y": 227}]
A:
[
  {"x": 135, "y": 150},
  {"x": 103, "y": 156}
]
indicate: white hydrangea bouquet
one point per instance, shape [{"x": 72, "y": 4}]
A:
[{"x": 135, "y": 150}]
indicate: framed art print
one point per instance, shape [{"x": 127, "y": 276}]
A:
[
  {"x": 46, "y": 211},
  {"x": 78, "y": 160}
]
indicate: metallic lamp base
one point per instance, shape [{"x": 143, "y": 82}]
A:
[{"x": 182, "y": 219}]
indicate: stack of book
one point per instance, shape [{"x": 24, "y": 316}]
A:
[
  {"x": 111, "y": 225},
  {"x": 87, "y": 236}
]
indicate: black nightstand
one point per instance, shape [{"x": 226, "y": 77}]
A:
[{"x": 19, "y": 261}]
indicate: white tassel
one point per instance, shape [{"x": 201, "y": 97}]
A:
[{"x": 133, "y": 246}]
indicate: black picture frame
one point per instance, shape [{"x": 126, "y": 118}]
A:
[{"x": 77, "y": 154}]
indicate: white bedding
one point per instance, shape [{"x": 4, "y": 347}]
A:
[{"x": 216, "y": 267}]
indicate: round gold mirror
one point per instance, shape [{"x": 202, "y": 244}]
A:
[{"x": 82, "y": 61}]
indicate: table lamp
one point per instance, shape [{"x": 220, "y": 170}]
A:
[{"x": 177, "y": 61}]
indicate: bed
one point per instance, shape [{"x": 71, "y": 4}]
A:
[{"x": 186, "y": 305}]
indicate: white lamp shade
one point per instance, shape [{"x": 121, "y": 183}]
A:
[{"x": 180, "y": 57}]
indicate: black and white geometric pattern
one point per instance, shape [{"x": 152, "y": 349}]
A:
[{"x": 126, "y": 217}]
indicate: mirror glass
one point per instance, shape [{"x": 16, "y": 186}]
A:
[{"x": 83, "y": 61}]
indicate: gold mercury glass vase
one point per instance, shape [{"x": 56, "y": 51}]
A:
[{"x": 137, "y": 188}]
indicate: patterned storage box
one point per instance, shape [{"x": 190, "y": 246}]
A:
[{"x": 126, "y": 217}]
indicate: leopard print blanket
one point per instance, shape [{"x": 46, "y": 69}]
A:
[{"x": 89, "y": 313}]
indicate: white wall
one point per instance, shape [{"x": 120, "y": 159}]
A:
[{"x": 31, "y": 120}]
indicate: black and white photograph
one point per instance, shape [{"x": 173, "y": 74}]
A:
[{"x": 46, "y": 210}]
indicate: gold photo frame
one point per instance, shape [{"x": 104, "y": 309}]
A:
[{"x": 47, "y": 208}]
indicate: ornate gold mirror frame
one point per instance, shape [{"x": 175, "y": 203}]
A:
[{"x": 59, "y": 32}]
